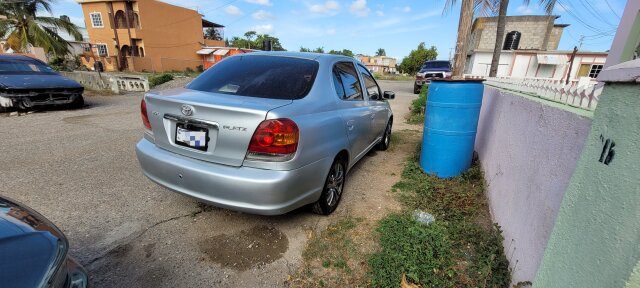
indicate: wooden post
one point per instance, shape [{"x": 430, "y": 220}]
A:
[
  {"x": 573, "y": 56},
  {"x": 464, "y": 28}
]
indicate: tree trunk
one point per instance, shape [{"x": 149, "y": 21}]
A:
[
  {"x": 497, "y": 49},
  {"x": 464, "y": 28}
]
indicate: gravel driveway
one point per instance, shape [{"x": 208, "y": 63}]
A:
[{"x": 79, "y": 169}]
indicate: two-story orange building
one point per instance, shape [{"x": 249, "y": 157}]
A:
[{"x": 144, "y": 35}]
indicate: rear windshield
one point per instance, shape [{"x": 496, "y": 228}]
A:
[
  {"x": 22, "y": 66},
  {"x": 273, "y": 77},
  {"x": 436, "y": 65}
]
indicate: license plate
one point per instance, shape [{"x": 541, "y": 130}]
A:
[{"x": 191, "y": 136}]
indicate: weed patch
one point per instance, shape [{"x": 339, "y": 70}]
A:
[
  {"x": 461, "y": 249},
  {"x": 416, "y": 116},
  {"x": 158, "y": 79}
]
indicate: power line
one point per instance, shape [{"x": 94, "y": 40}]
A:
[{"x": 613, "y": 11}]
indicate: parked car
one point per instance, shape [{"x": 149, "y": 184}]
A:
[
  {"x": 34, "y": 251},
  {"x": 265, "y": 132},
  {"x": 26, "y": 82},
  {"x": 430, "y": 70}
]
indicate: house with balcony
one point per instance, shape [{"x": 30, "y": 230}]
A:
[
  {"x": 144, "y": 35},
  {"x": 529, "y": 50}
]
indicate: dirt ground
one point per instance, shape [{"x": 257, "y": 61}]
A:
[{"x": 79, "y": 169}]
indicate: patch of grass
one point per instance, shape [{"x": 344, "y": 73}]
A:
[
  {"x": 333, "y": 244},
  {"x": 333, "y": 258},
  {"x": 418, "y": 105},
  {"x": 422, "y": 252},
  {"x": 158, "y": 79},
  {"x": 393, "y": 77},
  {"x": 462, "y": 248}
]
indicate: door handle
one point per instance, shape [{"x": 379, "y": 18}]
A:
[
  {"x": 373, "y": 116},
  {"x": 350, "y": 124}
]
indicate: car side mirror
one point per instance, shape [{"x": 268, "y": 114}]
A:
[{"x": 388, "y": 95}]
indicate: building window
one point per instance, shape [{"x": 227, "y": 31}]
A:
[
  {"x": 96, "y": 20},
  {"x": 595, "y": 70},
  {"x": 590, "y": 70},
  {"x": 102, "y": 50}
]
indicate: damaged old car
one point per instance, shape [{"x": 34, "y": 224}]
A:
[{"x": 26, "y": 83}]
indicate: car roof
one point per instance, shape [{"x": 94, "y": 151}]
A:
[
  {"x": 304, "y": 55},
  {"x": 14, "y": 57}
]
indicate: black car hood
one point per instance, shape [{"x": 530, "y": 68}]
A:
[
  {"x": 29, "y": 245},
  {"x": 37, "y": 81}
]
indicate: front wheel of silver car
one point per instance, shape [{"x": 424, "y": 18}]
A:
[{"x": 332, "y": 190}]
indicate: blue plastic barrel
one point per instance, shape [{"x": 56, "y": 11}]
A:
[{"x": 450, "y": 124}]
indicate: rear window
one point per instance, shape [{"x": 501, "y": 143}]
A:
[{"x": 273, "y": 77}]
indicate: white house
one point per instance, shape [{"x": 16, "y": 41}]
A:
[{"x": 538, "y": 64}]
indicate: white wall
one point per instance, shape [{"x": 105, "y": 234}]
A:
[
  {"x": 481, "y": 63},
  {"x": 526, "y": 65}
]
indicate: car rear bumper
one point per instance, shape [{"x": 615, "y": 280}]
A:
[{"x": 252, "y": 190}]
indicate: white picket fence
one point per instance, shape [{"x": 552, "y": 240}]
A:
[{"x": 582, "y": 93}]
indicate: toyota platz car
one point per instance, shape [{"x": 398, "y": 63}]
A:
[{"x": 265, "y": 132}]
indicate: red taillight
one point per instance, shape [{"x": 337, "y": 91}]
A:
[
  {"x": 274, "y": 138},
  {"x": 145, "y": 116}
]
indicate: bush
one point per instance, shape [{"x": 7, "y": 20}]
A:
[
  {"x": 159, "y": 79},
  {"x": 200, "y": 68},
  {"x": 418, "y": 106}
]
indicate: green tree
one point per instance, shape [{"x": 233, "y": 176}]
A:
[
  {"x": 303, "y": 49},
  {"x": 250, "y": 35},
  {"x": 381, "y": 52},
  {"x": 318, "y": 50},
  {"x": 212, "y": 34},
  {"x": 344, "y": 52},
  {"x": 22, "y": 26},
  {"x": 275, "y": 42},
  {"x": 417, "y": 57},
  {"x": 238, "y": 42}
]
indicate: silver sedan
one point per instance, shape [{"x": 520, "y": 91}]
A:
[{"x": 265, "y": 132}]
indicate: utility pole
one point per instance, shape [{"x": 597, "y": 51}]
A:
[
  {"x": 580, "y": 42},
  {"x": 573, "y": 56}
]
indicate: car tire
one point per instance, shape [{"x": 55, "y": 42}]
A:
[
  {"x": 77, "y": 103},
  {"x": 386, "y": 137},
  {"x": 333, "y": 188},
  {"x": 416, "y": 88}
]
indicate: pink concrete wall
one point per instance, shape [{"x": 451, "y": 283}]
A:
[{"x": 528, "y": 150}]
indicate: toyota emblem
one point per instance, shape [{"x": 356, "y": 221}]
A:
[{"x": 187, "y": 110}]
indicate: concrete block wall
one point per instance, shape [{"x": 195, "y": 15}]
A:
[
  {"x": 528, "y": 149},
  {"x": 118, "y": 83},
  {"x": 537, "y": 32}
]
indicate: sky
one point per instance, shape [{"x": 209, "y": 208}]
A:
[{"x": 363, "y": 26}]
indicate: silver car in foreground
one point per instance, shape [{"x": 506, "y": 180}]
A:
[{"x": 265, "y": 132}]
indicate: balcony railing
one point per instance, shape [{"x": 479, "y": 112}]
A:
[{"x": 583, "y": 94}]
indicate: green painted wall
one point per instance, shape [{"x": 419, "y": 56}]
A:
[{"x": 596, "y": 239}]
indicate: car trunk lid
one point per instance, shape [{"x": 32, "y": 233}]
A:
[{"x": 229, "y": 120}]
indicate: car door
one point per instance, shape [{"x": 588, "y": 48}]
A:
[
  {"x": 377, "y": 105},
  {"x": 353, "y": 107}
]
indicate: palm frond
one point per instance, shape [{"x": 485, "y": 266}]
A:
[{"x": 58, "y": 23}]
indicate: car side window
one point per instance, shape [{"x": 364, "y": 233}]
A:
[
  {"x": 346, "y": 81},
  {"x": 373, "y": 90}
]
